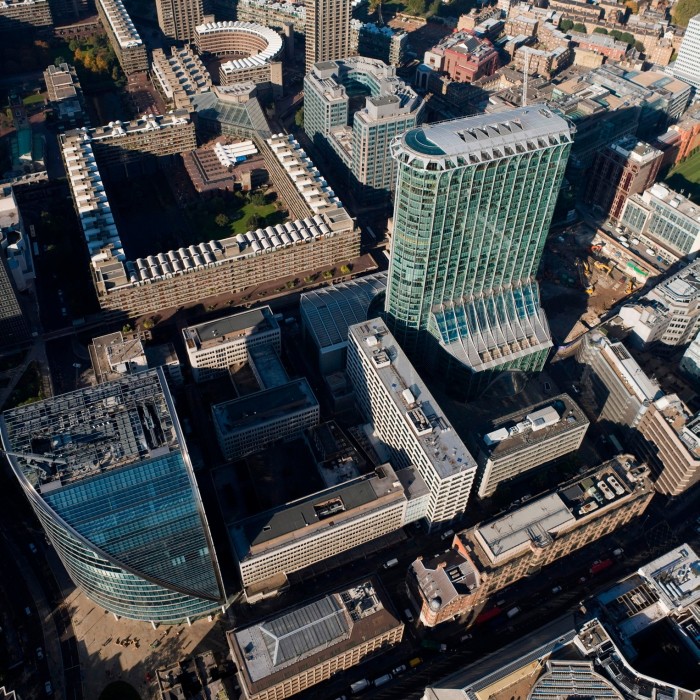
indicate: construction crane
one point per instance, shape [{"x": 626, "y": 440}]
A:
[
  {"x": 631, "y": 284},
  {"x": 526, "y": 72}
]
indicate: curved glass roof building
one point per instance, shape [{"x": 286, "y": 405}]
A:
[
  {"x": 107, "y": 472},
  {"x": 474, "y": 201}
]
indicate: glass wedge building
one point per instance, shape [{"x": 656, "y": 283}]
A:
[
  {"x": 473, "y": 205},
  {"x": 107, "y": 472}
]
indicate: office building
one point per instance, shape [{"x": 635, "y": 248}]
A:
[
  {"x": 323, "y": 236},
  {"x": 300, "y": 647},
  {"x": 690, "y": 362},
  {"x": 664, "y": 221},
  {"x": 360, "y": 139},
  {"x": 65, "y": 95},
  {"x": 15, "y": 242},
  {"x": 24, "y": 16},
  {"x": 179, "y": 75},
  {"x": 615, "y": 389},
  {"x": 177, "y": 19},
  {"x": 380, "y": 41},
  {"x": 668, "y": 316},
  {"x": 252, "y": 422},
  {"x": 669, "y": 440},
  {"x": 255, "y": 52},
  {"x": 474, "y": 200},
  {"x": 327, "y": 313},
  {"x": 14, "y": 329},
  {"x": 271, "y": 545},
  {"x": 112, "y": 356},
  {"x": 624, "y": 168},
  {"x": 463, "y": 56},
  {"x": 580, "y": 511},
  {"x": 440, "y": 587},
  {"x": 687, "y": 65},
  {"x": 408, "y": 420},
  {"x": 212, "y": 347},
  {"x": 123, "y": 35},
  {"x": 107, "y": 472},
  {"x": 568, "y": 658},
  {"x": 327, "y": 31},
  {"x": 528, "y": 438}
]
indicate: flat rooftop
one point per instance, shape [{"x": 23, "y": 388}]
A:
[
  {"x": 283, "y": 646},
  {"x": 532, "y": 425},
  {"x": 432, "y": 431},
  {"x": 87, "y": 432},
  {"x": 330, "y": 505},
  {"x": 242, "y": 414},
  {"x": 539, "y": 520},
  {"x": 675, "y": 200},
  {"x": 675, "y": 576},
  {"x": 222, "y": 330}
]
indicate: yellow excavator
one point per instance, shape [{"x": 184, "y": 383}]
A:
[{"x": 584, "y": 273}]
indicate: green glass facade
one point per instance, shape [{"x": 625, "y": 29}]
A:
[{"x": 473, "y": 205}]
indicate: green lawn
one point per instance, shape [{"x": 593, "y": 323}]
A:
[
  {"x": 33, "y": 99},
  {"x": 238, "y": 212},
  {"x": 686, "y": 177}
]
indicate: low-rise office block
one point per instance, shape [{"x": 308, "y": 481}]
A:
[
  {"x": 295, "y": 650},
  {"x": 252, "y": 422},
  {"x": 528, "y": 438},
  {"x": 271, "y": 545},
  {"x": 214, "y": 346},
  {"x": 548, "y": 528}
]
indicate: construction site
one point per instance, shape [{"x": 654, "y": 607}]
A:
[{"x": 593, "y": 271}]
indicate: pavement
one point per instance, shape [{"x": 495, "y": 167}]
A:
[{"x": 113, "y": 649}]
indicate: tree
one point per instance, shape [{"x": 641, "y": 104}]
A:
[
  {"x": 600, "y": 30},
  {"x": 565, "y": 25},
  {"x": 253, "y": 222},
  {"x": 578, "y": 27},
  {"x": 684, "y": 11},
  {"x": 633, "y": 6},
  {"x": 639, "y": 46},
  {"x": 627, "y": 38},
  {"x": 258, "y": 199},
  {"x": 615, "y": 34},
  {"x": 299, "y": 118},
  {"x": 221, "y": 220}
]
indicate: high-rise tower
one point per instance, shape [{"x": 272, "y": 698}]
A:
[
  {"x": 687, "y": 65},
  {"x": 327, "y": 30},
  {"x": 107, "y": 473},
  {"x": 178, "y": 18},
  {"x": 474, "y": 200}
]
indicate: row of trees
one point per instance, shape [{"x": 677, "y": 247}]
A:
[
  {"x": 684, "y": 11},
  {"x": 567, "y": 25},
  {"x": 95, "y": 59}
]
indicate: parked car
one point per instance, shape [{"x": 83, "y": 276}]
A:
[
  {"x": 40, "y": 653},
  {"x": 28, "y": 611},
  {"x": 48, "y": 688},
  {"x": 32, "y": 547},
  {"x": 408, "y": 615},
  {"x": 556, "y": 589},
  {"x": 399, "y": 670}
]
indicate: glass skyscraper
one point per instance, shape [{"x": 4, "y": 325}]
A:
[
  {"x": 473, "y": 205},
  {"x": 108, "y": 474}
]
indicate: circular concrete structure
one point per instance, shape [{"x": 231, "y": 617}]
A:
[{"x": 254, "y": 44}]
